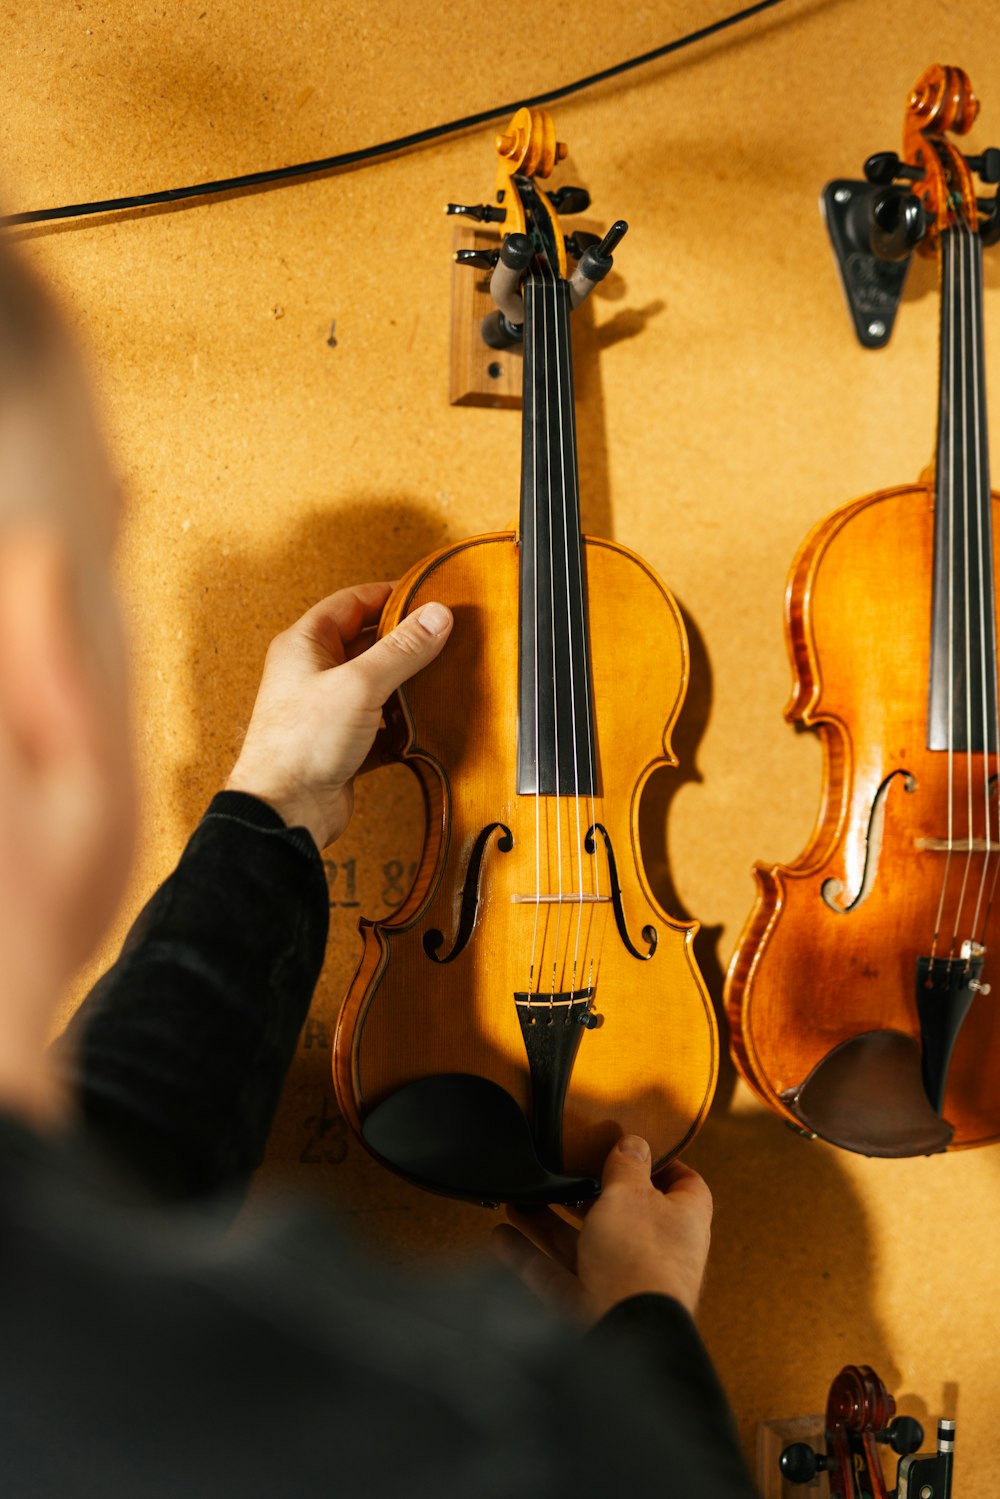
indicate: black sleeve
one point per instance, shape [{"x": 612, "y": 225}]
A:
[
  {"x": 178, "y": 1055},
  {"x": 651, "y": 1350}
]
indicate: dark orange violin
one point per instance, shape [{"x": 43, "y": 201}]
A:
[
  {"x": 860, "y": 993},
  {"x": 861, "y": 1417},
  {"x": 530, "y": 999}
]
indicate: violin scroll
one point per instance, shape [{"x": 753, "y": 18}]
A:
[
  {"x": 930, "y": 187},
  {"x": 943, "y": 99},
  {"x": 942, "y": 103},
  {"x": 860, "y": 1417},
  {"x": 529, "y": 144}
]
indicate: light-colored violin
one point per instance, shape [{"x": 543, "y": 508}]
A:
[{"x": 530, "y": 999}]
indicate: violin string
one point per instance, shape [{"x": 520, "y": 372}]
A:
[
  {"x": 946, "y": 457},
  {"x": 564, "y": 389},
  {"x": 982, "y": 518},
  {"x": 530, "y": 313},
  {"x": 966, "y": 579},
  {"x": 546, "y": 386},
  {"x": 587, "y": 703},
  {"x": 984, "y": 479}
]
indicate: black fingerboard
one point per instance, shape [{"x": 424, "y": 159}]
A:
[
  {"x": 555, "y": 730},
  {"x": 963, "y": 675}
]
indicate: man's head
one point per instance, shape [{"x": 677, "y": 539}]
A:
[{"x": 66, "y": 788}]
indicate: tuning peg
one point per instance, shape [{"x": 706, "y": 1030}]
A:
[
  {"x": 987, "y": 165},
  {"x": 577, "y": 243},
  {"x": 570, "y": 200},
  {"x": 989, "y": 220},
  {"x": 487, "y": 259},
  {"x": 898, "y": 223},
  {"x": 800, "y": 1463},
  {"x": 483, "y": 213},
  {"x": 595, "y": 263},
  {"x": 885, "y": 166},
  {"x": 504, "y": 327},
  {"x": 612, "y": 239},
  {"x": 903, "y": 1435}
]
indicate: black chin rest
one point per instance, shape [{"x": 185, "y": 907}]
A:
[
  {"x": 463, "y": 1134},
  {"x": 867, "y": 1095}
]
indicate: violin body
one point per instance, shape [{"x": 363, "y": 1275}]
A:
[
  {"x": 649, "y": 1063},
  {"x": 806, "y": 965}
]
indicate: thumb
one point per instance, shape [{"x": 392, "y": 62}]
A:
[
  {"x": 628, "y": 1163},
  {"x": 395, "y": 658}
]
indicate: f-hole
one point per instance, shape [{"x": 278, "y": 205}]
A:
[
  {"x": 649, "y": 933},
  {"x": 470, "y": 894},
  {"x": 832, "y": 888}
]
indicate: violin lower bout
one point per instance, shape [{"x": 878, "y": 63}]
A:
[{"x": 645, "y": 1060}]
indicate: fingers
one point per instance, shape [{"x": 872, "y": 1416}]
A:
[
  {"x": 323, "y": 635},
  {"x": 549, "y": 1233},
  {"x": 395, "y": 658},
  {"x": 676, "y": 1179},
  {"x": 542, "y": 1276},
  {"x": 628, "y": 1163}
]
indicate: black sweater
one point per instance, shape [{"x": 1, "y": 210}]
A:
[{"x": 148, "y": 1351}]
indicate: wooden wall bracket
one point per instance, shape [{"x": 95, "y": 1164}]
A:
[{"x": 480, "y": 376}]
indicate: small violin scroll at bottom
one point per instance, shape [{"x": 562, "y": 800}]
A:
[{"x": 861, "y": 1418}]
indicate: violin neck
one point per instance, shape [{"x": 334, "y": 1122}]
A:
[
  {"x": 963, "y": 675},
  {"x": 555, "y": 734}
]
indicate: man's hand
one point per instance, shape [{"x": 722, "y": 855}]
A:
[
  {"x": 320, "y": 700},
  {"x": 637, "y": 1236}
]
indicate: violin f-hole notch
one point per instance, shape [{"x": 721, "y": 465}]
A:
[
  {"x": 469, "y": 908},
  {"x": 832, "y": 889},
  {"x": 649, "y": 932}
]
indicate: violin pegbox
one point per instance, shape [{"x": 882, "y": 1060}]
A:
[
  {"x": 860, "y": 1418},
  {"x": 906, "y": 201},
  {"x": 529, "y": 234}
]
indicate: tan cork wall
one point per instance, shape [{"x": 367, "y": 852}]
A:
[{"x": 725, "y": 406}]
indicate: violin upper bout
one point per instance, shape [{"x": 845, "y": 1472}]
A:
[{"x": 805, "y": 692}]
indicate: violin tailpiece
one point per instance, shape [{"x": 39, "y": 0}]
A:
[{"x": 552, "y": 1025}]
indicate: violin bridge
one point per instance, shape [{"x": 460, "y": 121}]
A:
[
  {"x": 955, "y": 845},
  {"x": 578, "y": 898},
  {"x": 578, "y": 1001}
]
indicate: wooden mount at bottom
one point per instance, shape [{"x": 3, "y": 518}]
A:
[{"x": 480, "y": 376}]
